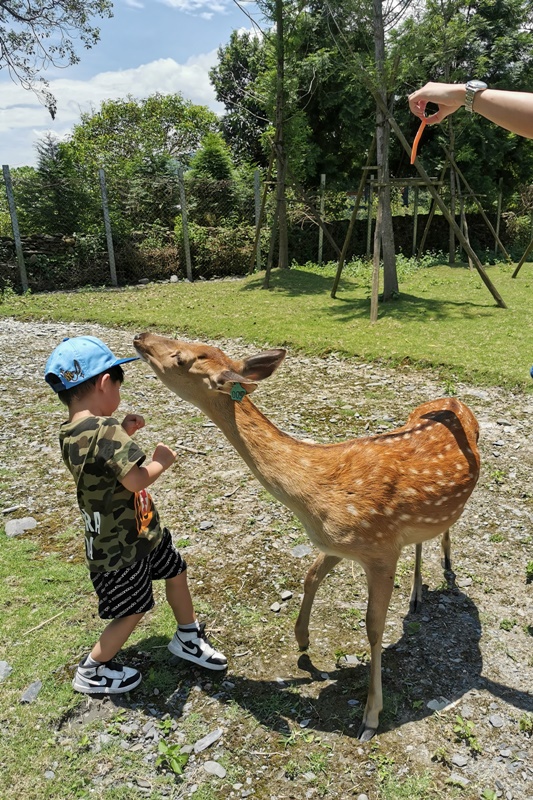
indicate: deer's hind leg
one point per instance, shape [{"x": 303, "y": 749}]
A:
[{"x": 313, "y": 579}]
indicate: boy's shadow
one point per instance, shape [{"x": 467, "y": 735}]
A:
[{"x": 437, "y": 657}]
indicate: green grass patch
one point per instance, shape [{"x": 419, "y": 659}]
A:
[{"x": 445, "y": 318}]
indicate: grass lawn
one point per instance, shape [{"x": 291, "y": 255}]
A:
[{"x": 445, "y": 318}]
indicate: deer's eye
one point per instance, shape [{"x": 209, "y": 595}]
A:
[
  {"x": 178, "y": 359},
  {"x": 201, "y": 357}
]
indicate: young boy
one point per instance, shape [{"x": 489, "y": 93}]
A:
[{"x": 126, "y": 547}]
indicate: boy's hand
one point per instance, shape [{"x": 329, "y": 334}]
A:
[
  {"x": 132, "y": 423},
  {"x": 164, "y": 456}
]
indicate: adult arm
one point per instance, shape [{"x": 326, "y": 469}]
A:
[{"x": 510, "y": 110}]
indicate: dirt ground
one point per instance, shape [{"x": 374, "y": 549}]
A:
[{"x": 289, "y": 720}]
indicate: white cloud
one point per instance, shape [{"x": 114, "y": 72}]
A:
[
  {"x": 199, "y": 7},
  {"x": 23, "y": 119}
]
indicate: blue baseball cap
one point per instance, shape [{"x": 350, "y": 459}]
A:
[{"x": 76, "y": 360}]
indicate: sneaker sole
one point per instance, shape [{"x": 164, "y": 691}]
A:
[
  {"x": 195, "y": 659},
  {"x": 104, "y": 690}
]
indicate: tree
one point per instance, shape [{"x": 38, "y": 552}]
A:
[
  {"x": 492, "y": 41},
  {"x": 240, "y": 63},
  {"x": 38, "y": 34},
  {"x": 138, "y": 143}
]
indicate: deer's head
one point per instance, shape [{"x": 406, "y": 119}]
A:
[{"x": 194, "y": 371}]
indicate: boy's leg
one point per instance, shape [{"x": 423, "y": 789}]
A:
[
  {"x": 179, "y": 599},
  {"x": 114, "y": 636},
  {"x": 189, "y": 641},
  {"x": 97, "y": 673}
]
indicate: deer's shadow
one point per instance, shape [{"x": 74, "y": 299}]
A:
[{"x": 437, "y": 658}]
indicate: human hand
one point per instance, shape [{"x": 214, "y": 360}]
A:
[
  {"x": 164, "y": 456},
  {"x": 132, "y": 423},
  {"x": 447, "y": 96}
]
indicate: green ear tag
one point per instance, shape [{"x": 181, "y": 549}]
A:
[{"x": 237, "y": 392}]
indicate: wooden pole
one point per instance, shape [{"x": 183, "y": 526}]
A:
[
  {"x": 257, "y": 198},
  {"x": 442, "y": 205},
  {"x": 185, "y": 224},
  {"x": 430, "y": 215},
  {"x": 415, "y": 221},
  {"x": 528, "y": 250},
  {"x": 321, "y": 228},
  {"x": 481, "y": 209},
  {"x": 15, "y": 227},
  {"x": 107, "y": 225},
  {"x": 498, "y": 215},
  {"x": 353, "y": 218},
  {"x": 262, "y": 211},
  {"x": 369, "y": 213},
  {"x": 375, "y": 266}
]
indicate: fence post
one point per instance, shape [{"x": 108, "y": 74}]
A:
[
  {"x": 107, "y": 225},
  {"x": 15, "y": 227},
  {"x": 185, "y": 224},
  {"x": 257, "y": 197},
  {"x": 320, "y": 229},
  {"x": 369, "y": 213}
]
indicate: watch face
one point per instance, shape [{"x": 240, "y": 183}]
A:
[{"x": 476, "y": 85}]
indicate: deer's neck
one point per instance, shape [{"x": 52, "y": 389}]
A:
[{"x": 275, "y": 458}]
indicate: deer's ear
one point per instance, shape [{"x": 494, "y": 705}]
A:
[
  {"x": 262, "y": 365},
  {"x": 227, "y": 379}
]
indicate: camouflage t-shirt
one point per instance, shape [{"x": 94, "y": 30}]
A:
[{"x": 121, "y": 527}]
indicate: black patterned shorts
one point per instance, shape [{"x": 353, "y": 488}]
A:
[{"x": 129, "y": 590}]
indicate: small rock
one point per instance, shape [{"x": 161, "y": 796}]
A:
[
  {"x": 459, "y": 760},
  {"x": 459, "y": 780},
  {"x": 5, "y": 670},
  {"x": 173, "y": 279},
  {"x": 350, "y": 661},
  {"x": 362, "y": 797},
  {"x": 15, "y": 527},
  {"x": 353, "y": 702},
  {"x": 286, "y": 595},
  {"x": 496, "y": 721},
  {"x": 463, "y": 582},
  {"x": 31, "y": 692},
  {"x": 304, "y": 723},
  {"x": 438, "y": 704},
  {"x": 208, "y": 740},
  {"x": 214, "y": 768},
  {"x": 301, "y": 550},
  {"x": 49, "y": 775},
  {"x": 275, "y": 607},
  {"x": 204, "y": 526}
]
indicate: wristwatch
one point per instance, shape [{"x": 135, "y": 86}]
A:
[{"x": 471, "y": 88}]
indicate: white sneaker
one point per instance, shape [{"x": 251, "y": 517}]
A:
[
  {"x": 106, "y": 678},
  {"x": 195, "y": 646}
]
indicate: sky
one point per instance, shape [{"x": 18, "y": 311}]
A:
[{"x": 147, "y": 46}]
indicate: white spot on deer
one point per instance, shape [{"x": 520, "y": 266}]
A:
[{"x": 352, "y": 510}]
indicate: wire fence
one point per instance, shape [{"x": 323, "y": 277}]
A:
[{"x": 59, "y": 234}]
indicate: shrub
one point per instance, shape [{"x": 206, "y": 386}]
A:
[{"x": 217, "y": 252}]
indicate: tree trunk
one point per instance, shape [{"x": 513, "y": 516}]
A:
[
  {"x": 390, "y": 277},
  {"x": 453, "y": 193},
  {"x": 279, "y": 144}
]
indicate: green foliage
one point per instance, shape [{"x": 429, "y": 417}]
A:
[
  {"x": 41, "y": 35},
  {"x": 171, "y": 757},
  {"x": 217, "y": 252},
  {"x": 526, "y": 724},
  {"x": 465, "y": 732},
  {"x": 240, "y": 63},
  {"x": 529, "y": 572}
]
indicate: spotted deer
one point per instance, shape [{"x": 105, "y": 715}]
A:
[{"x": 362, "y": 499}]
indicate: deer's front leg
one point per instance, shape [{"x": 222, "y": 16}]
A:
[
  {"x": 380, "y": 584},
  {"x": 313, "y": 579}
]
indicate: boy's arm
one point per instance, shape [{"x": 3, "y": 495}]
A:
[
  {"x": 139, "y": 478},
  {"x": 132, "y": 423}
]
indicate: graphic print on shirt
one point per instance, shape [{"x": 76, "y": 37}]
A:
[{"x": 144, "y": 512}]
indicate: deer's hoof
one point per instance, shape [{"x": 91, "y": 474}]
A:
[{"x": 364, "y": 734}]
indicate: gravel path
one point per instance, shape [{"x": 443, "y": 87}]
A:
[{"x": 468, "y": 653}]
